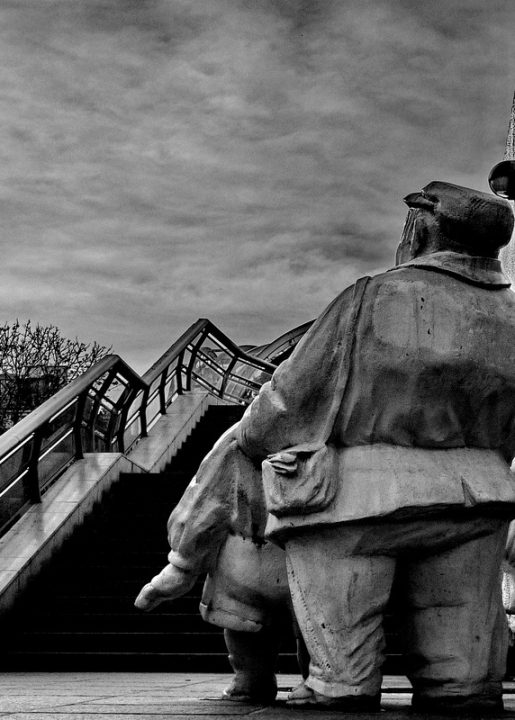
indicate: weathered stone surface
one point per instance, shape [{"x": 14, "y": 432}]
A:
[
  {"x": 410, "y": 379},
  {"x": 386, "y": 441}
]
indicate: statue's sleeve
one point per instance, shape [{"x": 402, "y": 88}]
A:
[
  {"x": 199, "y": 525},
  {"x": 225, "y": 496},
  {"x": 294, "y": 408}
]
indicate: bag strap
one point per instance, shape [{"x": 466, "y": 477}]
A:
[
  {"x": 350, "y": 341},
  {"x": 349, "y": 338}
]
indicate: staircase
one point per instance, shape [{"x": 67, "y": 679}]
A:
[{"x": 79, "y": 614}]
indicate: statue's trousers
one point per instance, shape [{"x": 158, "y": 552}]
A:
[{"x": 341, "y": 578}]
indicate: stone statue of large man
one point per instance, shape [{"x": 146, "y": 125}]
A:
[{"x": 387, "y": 440}]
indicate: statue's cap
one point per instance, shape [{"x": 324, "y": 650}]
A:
[{"x": 475, "y": 219}]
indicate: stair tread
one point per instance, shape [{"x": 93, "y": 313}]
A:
[
  {"x": 80, "y": 613},
  {"x": 94, "y": 579}
]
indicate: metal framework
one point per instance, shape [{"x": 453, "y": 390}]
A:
[{"x": 110, "y": 407}]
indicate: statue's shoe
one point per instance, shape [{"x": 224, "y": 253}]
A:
[
  {"x": 259, "y": 693},
  {"x": 464, "y": 705},
  {"x": 301, "y": 695},
  {"x": 304, "y": 696}
]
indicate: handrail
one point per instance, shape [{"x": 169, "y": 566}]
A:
[
  {"x": 60, "y": 399},
  {"x": 169, "y": 355},
  {"x": 283, "y": 345},
  {"x": 190, "y": 334},
  {"x": 110, "y": 407}
]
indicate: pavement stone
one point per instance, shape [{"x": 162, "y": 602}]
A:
[{"x": 156, "y": 696}]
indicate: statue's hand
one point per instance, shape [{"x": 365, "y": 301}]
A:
[
  {"x": 284, "y": 463},
  {"x": 171, "y": 583}
]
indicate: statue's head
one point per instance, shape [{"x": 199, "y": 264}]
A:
[{"x": 443, "y": 216}]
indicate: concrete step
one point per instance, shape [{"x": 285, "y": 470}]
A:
[
  {"x": 47, "y": 660},
  {"x": 136, "y": 621},
  {"x": 121, "y": 641},
  {"x": 81, "y": 608}
]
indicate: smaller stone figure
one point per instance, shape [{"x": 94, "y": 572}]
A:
[
  {"x": 218, "y": 528},
  {"x": 508, "y": 582}
]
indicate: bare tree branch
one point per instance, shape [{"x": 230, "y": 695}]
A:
[{"x": 35, "y": 362}]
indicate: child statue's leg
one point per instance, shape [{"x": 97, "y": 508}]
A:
[{"x": 253, "y": 658}]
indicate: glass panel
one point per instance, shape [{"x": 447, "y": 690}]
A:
[
  {"x": 199, "y": 381},
  {"x": 240, "y": 398},
  {"x": 59, "y": 425},
  {"x": 115, "y": 389},
  {"x": 234, "y": 391},
  {"x": 15, "y": 464},
  {"x": 187, "y": 355},
  {"x": 88, "y": 408},
  {"x": 154, "y": 386},
  {"x": 244, "y": 382},
  {"x": 116, "y": 418},
  {"x": 132, "y": 432},
  {"x": 153, "y": 409},
  {"x": 207, "y": 368},
  {"x": 13, "y": 500},
  {"x": 55, "y": 460},
  {"x": 113, "y": 443},
  {"x": 255, "y": 375},
  {"x": 209, "y": 357},
  {"x": 102, "y": 419},
  {"x": 64, "y": 410},
  {"x": 99, "y": 443},
  {"x": 97, "y": 384},
  {"x": 222, "y": 356},
  {"x": 107, "y": 402},
  {"x": 134, "y": 408},
  {"x": 86, "y": 439},
  {"x": 171, "y": 388}
]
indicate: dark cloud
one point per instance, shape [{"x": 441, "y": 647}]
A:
[{"x": 163, "y": 161}]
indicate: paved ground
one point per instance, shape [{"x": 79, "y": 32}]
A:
[{"x": 152, "y": 696}]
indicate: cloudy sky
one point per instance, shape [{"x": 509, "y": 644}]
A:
[{"x": 241, "y": 160}]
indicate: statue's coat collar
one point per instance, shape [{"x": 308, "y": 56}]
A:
[{"x": 477, "y": 270}]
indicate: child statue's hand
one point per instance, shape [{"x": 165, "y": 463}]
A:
[{"x": 171, "y": 583}]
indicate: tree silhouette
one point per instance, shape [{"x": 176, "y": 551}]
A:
[{"x": 35, "y": 362}]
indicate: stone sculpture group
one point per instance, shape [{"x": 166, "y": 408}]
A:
[{"x": 381, "y": 448}]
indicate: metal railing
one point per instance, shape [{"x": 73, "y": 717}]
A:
[
  {"x": 280, "y": 348},
  {"x": 110, "y": 407}
]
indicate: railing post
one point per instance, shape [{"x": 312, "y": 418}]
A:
[
  {"x": 33, "y": 470},
  {"x": 178, "y": 373},
  {"x": 97, "y": 402},
  {"x": 226, "y": 375},
  {"x": 143, "y": 412},
  {"x": 77, "y": 425},
  {"x": 124, "y": 411},
  {"x": 193, "y": 357},
  {"x": 162, "y": 396}
]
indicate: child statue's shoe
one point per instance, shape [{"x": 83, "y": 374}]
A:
[
  {"x": 246, "y": 687},
  {"x": 303, "y": 695}
]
